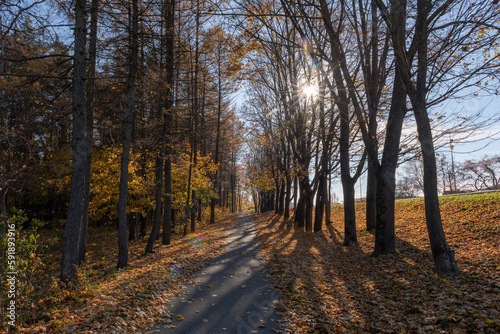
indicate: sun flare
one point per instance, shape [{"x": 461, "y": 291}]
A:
[{"x": 310, "y": 91}]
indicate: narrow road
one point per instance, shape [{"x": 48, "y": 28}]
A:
[{"x": 233, "y": 295}]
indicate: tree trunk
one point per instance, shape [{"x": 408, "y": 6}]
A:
[
  {"x": 278, "y": 191},
  {"x": 295, "y": 192},
  {"x": 371, "y": 196},
  {"x": 212, "y": 209},
  {"x": 328, "y": 208},
  {"x": 89, "y": 126},
  {"x": 320, "y": 201},
  {"x": 122, "y": 199},
  {"x": 156, "y": 223},
  {"x": 195, "y": 114},
  {"x": 350, "y": 236},
  {"x": 288, "y": 191},
  {"x": 167, "y": 215},
  {"x": 143, "y": 220},
  {"x": 173, "y": 214},
  {"x": 281, "y": 208},
  {"x": 444, "y": 257},
  {"x": 169, "y": 69},
  {"x": 386, "y": 173},
  {"x": 72, "y": 229},
  {"x": 193, "y": 212},
  {"x": 309, "y": 210},
  {"x": 133, "y": 221},
  {"x": 3, "y": 201},
  {"x": 200, "y": 209},
  {"x": 217, "y": 139}
]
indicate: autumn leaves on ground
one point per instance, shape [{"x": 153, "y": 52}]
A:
[
  {"x": 328, "y": 288},
  {"x": 325, "y": 287},
  {"x": 107, "y": 300}
]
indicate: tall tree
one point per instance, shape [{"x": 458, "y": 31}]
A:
[
  {"x": 127, "y": 142},
  {"x": 74, "y": 221},
  {"x": 444, "y": 257},
  {"x": 89, "y": 123},
  {"x": 169, "y": 44}
]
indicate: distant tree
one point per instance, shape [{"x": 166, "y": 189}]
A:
[
  {"x": 410, "y": 182},
  {"x": 405, "y": 188},
  {"x": 446, "y": 172},
  {"x": 481, "y": 174}
]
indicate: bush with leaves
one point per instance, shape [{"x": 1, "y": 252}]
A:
[{"x": 22, "y": 261}]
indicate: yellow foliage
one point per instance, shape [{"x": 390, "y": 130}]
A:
[
  {"x": 105, "y": 184},
  {"x": 200, "y": 180}
]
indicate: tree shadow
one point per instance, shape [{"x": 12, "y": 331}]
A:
[{"x": 346, "y": 289}]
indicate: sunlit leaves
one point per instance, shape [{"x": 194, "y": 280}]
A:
[
  {"x": 200, "y": 179},
  {"x": 326, "y": 287}
]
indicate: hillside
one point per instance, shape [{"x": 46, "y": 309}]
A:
[{"x": 329, "y": 288}]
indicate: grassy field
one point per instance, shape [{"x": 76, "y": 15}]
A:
[{"x": 329, "y": 288}]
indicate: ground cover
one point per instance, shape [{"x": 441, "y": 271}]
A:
[
  {"x": 328, "y": 288},
  {"x": 107, "y": 300}
]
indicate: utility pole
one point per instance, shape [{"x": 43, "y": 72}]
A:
[{"x": 453, "y": 166}]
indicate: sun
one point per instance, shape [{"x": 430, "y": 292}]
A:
[{"x": 310, "y": 91}]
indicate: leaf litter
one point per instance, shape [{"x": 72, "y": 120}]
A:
[
  {"x": 328, "y": 288},
  {"x": 107, "y": 300}
]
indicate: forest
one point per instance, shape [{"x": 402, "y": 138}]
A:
[{"x": 130, "y": 130}]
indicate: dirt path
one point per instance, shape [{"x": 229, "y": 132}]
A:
[{"x": 232, "y": 295}]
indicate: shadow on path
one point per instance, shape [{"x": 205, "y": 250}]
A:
[{"x": 232, "y": 295}]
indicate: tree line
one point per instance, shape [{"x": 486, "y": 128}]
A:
[
  {"x": 340, "y": 85},
  {"x": 130, "y": 120},
  {"x": 132, "y": 116},
  {"x": 454, "y": 177}
]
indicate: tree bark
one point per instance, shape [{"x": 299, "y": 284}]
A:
[
  {"x": 193, "y": 211},
  {"x": 288, "y": 180},
  {"x": 89, "y": 126},
  {"x": 281, "y": 208},
  {"x": 122, "y": 199},
  {"x": 444, "y": 257},
  {"x": 200, "y": 209},
  {"x": 371, "y": 196},
  {"x": 278, "y": 192},
  {"x": 195, "y": 114},
  {"x": 72, "y": 229},
  {"x": 320, "y": 200},
  {"x": 385, "y": 237},
  {"x": 169, "y": 69},
  {"x": 143, "y": 220},
  {"x": 3, "y": 201},
  {"x": 132, "y": 230},
  {"x": 328, "y": 208},
  {"x": 157, "y": 216},
  {"x": 167, "y": 215},
  {"x": 288, "y": 193},
  {"x": 350, "y": 235}
]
